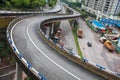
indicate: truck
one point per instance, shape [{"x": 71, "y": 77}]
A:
[
  {"x": 80, "y": 33},
  {"x": 109, "y": 45},
  {"x": 102, "y": 39}
]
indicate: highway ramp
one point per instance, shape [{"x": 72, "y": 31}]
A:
[{"x": 44, "y": 58}]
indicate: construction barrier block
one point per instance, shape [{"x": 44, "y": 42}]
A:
[
  {"x": 29, "y": 65},
  {"x": 85, "y": 60},
  {"x": 48, "y": 38},
  {"x": 14, "y": 48},
  {"x": 100, "y": 67},
  {"x": 42, "y": 76},
  {"x": 20, "y": 55},
  {"x": 10, "y": 41},
  {"x": 71, "y": 52},
  {"x": 61, "y": 47},
  {"x": 118, "y": 74}
]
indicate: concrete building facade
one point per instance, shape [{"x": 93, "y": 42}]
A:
[{"x": 109, "y": 7}]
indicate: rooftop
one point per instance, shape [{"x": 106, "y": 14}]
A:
[{"x": 98, "y": 24}]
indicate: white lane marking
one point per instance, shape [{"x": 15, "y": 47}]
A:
[{"x": 49, "y": 57}]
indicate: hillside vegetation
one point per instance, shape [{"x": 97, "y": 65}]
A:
[{"x": 25, "y": 4}]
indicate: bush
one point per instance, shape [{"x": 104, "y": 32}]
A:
[
  {"x": 90, "y": 25},
  {"x": 85, "y": 14}
]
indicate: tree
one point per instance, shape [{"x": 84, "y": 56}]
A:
[
  {"x": 52, "y": 2},
  {"x": 26, "y": 3},
  {"x": 35, "y": 4},
  {"x": 8, "y": 4},
  {"x": 17, "y": 3},
  {"x": 42, "y": 3},
  {"x": 38, "y": 3}
]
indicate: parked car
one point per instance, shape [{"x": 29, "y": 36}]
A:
[
  {"x": 89, "y": 44},
  {"x": 109, "y": 45}
]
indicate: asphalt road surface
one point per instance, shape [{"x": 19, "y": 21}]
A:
[{"x": 43, "y": 57}]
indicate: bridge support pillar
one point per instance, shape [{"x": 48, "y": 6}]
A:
[
  {"x": 52, "y": 28},
  {"x": 18, "y": 72},
  {"x": 47, "y": 30}
]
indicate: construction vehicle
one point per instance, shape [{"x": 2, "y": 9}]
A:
[
  {"x": 109, "y": 45},
  {"x": 80, "y": 33},
  {"x": 102, "y": 39}
]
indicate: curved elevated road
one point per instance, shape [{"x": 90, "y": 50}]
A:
[{"x": 42, "y": 57}]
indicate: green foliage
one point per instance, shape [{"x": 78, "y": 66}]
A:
[
  {"x": 73, "y": 4},
  {"x": 17, "y": 3},
  {"x": 52, "y": 2},
  {"x": 74, "y": 31},
  {"x": 24, "y": 4},
  {"x": 90, "y": 25},
  {"x": 8, "y": 4},
  {"x": 4, "y": 49},
  {"x": 42, "y": 3},
  {"x": 35, "y": 3},
  {"x": 21, "y": 3},
  {"x": 38, "y": 3},
  {"x": 85, "y": 14},
  {"x": 12, "y": 60}
]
